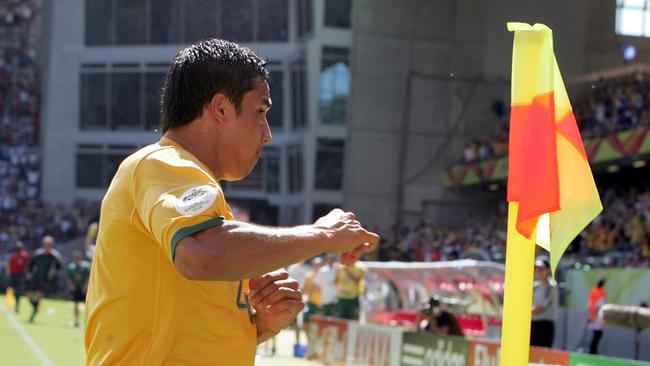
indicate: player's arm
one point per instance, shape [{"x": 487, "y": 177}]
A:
[{"x": 237, "y": 250}]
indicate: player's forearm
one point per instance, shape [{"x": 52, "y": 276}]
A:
[{"x": 237, "y": 250}]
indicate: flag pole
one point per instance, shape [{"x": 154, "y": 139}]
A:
[{"x": 518, "y": 292}]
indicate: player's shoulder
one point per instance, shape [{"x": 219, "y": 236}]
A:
[{"x": 158, "y": 159}]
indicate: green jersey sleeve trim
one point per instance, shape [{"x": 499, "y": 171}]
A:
[{"x": 181, "y": 233}]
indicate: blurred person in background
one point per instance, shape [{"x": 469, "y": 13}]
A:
[
  {"x": 434, "y": 319},
  {"x": 299, "y": 271},
  {"x": 350, "y": 282},
  {"x": 597, "y": 298},
  {"x": 78, "y": 273},
  {"x": 312, "y": 290},
  {"x": 91, "y": 239},
  {"x": 43, "y": 269},
  {"x": 326, "y": 281},
  {"x": 545, "y": 302},
  {"x": 17, "y": 269}
]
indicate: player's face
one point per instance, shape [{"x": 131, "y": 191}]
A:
[
  {"x": 249, "y": 132},
  {"x": 48, "y": 245}
]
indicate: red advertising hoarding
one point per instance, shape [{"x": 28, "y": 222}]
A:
[{"x": 327, "y": 340}]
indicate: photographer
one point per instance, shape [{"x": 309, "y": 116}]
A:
[{"x": 432, "y": 318}]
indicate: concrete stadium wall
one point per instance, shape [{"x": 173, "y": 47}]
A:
[{"x": 424, "y": 77}]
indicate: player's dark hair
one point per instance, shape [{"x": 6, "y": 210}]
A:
[{"x": 200, "y": 71}]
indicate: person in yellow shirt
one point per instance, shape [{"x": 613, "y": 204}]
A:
[
  {"x": 312, "y": 290},
  {"x": 350, "y": 281},
  {"x": 175, "y": 280}
]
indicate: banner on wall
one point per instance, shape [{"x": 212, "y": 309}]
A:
[
  {"x": 327, "y": 340},
  {"x": 373, "y": 345},
  {"x": 580, "y": 359},
  {"x": 422, "y": 349}
]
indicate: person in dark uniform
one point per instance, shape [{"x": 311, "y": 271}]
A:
[
  {"x": 78, "y": 273},
  {"x": 43, "y": 269}
]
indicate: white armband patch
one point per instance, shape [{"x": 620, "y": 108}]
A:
[{"x": 196, "y": 200}]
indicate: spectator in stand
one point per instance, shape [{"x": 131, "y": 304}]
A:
[
  {"x": 17, "y": 267},
  {"x": 597, "y": 298},
  {"x": 469, "y": 154},
  {"x": 43, "y": 269},
  {"x": 23, "y": 216}
]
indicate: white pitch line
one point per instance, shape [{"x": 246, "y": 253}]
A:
[{"x": 30, "y": 342}]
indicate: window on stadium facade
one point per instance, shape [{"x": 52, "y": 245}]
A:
[
  {"x": 304, "y": 10},
  {"x": 329, "y": 164},
  {"x": 334, "y": 85},
  {"x": 131, "y": 22},
  {"x": 119, "y": 97},
  {"x": 97, "y": 164},
  {"x": 338, "y": 13},
  {"x": 321, "y": 209},
  {"x": 299, "y": 98},
  {"x": 276, "y": 113},
  {"x": 633, "y": 18},
  {"x": 265, "y": 176},
  {"x": 295, "y": 171}
]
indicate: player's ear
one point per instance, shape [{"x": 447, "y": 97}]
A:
[{"x": 218, "y": 108}]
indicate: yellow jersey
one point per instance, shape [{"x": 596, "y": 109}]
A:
[
  {"x": 312, "y": 290},
  {"x": 350, "y": 281},
  {"x": 141, "y": 310}
]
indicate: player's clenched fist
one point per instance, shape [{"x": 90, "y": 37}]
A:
[{"x": 347, "y": 235}]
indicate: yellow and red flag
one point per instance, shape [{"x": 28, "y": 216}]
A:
[{"x": 551, "y": 191}]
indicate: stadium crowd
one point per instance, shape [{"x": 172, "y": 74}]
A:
[
  {"x": 607, "y": 107},
  {"x": 23, "y": 216},
  {"x": 623, "y": 227}
]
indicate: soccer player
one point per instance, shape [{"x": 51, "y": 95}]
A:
[
  {"x": 78, "y": 272},
  {"x": 17, "y": 267},
  {"x": 175, "y": 280},
  {"x": 43, "y": 268}
]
